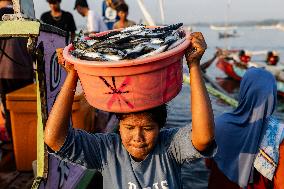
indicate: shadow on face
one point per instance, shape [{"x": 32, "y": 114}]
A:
[
  {"x": 80, "y": 10},
  {"x": 122, "y": 15},
  {"x": 139, "y": 133}
]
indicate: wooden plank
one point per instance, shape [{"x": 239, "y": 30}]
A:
[
  {"x": 7, "y": 178},
  {"x": 19, "y": 28},
  {"x": 22, "y": 181},
  {"x": 10, "y": 178}
]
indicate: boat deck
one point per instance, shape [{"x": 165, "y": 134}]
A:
[{"x": 10, "y": 178}]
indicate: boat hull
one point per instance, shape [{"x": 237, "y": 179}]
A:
[{"x": 237, "y": 72}]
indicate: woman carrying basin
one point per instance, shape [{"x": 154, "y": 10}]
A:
[{"x": 142, "y": 155}]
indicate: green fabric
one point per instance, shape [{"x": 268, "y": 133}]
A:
[
  {"x": 84, "y": 182},
  {"x": 19, "y": 28}
]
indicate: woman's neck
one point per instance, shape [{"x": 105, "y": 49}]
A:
[{"x": 122, "y": 23}]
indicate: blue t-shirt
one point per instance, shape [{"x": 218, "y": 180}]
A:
[{"x": 160, "y": 170}]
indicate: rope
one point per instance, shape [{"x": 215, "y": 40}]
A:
[
  {"x": 230, "y": 101},
  {"x": 10, "y": 58}
]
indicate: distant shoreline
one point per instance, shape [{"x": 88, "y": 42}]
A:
[{"x": 267, "y": 22}]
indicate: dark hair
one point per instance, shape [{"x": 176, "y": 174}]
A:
[
  {"x": 157, "y": 114},
  {"x": 275, "y": 57},
  {"x": 122, "y": 7},
  {"x": 54, "y": 1},
  {"x": 242, "y": 53},
  {"x": 81, "y": 3}
]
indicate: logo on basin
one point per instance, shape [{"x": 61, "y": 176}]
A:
[{"x": 117, "y": 93}]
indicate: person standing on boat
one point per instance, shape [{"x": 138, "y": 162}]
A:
[
  {"x": 142, "y": 155},
  {"x": 244, "y": 57},
  {"x": 95, "y": 22},
  {"x": 250, "y": 140},
  {"x": 110, "y": 13},
  {"x": 122, "y": 11},
  {"x": 59, "y": 18},
  {"x": 16, "y": 66},
  {"x": 272, "y": 58}
]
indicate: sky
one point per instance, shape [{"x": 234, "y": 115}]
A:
[{"x": 187, "y": 11}]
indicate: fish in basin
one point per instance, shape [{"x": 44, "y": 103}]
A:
[{"x": 130, "y": 43}]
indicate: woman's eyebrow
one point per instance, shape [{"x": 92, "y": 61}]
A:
[{"x": 128, "y": 125}]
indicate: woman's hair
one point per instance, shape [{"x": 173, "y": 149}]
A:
[
  {"x": 157, "y": 114},
  {"x": 53, "y": 1},
  {"x": 122, "y": 7}
]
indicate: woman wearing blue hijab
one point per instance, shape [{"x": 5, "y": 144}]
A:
[{"x": 239, "y": 134}]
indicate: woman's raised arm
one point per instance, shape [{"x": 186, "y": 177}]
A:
[
  {"x": 57, "y": 124},
  {"x": 202, "y": 115}
]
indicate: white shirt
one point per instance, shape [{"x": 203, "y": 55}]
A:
[{"x": 95, "y": 22}]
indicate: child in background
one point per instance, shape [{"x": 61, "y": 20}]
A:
[
  {"x": 122, "y": 12},
  {"x": 109, "y": 12}
]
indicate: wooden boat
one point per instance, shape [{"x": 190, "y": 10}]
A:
[{"x": 230, "y": 63}]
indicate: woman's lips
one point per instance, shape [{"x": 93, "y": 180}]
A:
[{"x": 139, "y": 145}]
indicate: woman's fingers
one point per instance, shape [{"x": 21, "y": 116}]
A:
[
  {"x": 59, "y": 53},
  {"x": 197, "y": 47},
  {"x": 66, "y": 65}
]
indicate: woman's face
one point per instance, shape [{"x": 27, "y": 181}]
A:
[
  {"x": 138, "y": 134},
  {"x": 122, "y": 15}
]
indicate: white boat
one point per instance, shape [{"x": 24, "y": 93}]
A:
[
  {"x": 223, "y": 28},
  {"x": 280, "y": 27},
  {"x": 268, "y": 27}
]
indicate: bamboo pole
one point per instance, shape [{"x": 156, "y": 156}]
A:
[{"x": 230, "y": 101}]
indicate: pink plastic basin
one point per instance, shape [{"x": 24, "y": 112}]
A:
[{"x": 131, "y": 85}]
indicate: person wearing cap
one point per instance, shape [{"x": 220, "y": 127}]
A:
[
  {"x": 95, "y": 22},
  {"x": 59, "y": 18}
]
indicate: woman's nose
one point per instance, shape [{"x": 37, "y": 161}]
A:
[{"x": 138, "y": 137}]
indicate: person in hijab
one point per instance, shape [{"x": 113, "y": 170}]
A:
[{"x": 249, "y": 137}]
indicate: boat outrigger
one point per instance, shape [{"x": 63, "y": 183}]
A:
[{"x": 234, "y": 63}]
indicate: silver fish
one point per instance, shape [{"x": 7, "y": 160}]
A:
[
  {"x": 130, "y": 43},
  {"x": 157, "y": 51},
  {"x": 157, "y": 41},
  {"x": 177, "y": 43}
]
